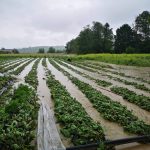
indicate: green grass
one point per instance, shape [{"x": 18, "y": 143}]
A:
[{"x": 122, "y": 59}]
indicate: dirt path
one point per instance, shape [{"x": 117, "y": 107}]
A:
[
  {"x": 111, "y": 130},
  {"x": 48, "y": 136},
  {"x": 137, "y": 111}
]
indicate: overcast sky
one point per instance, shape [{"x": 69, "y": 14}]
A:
[{"x": 25, "y": 23}]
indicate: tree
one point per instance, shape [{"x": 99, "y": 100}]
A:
[
  {"x": 142, "y": 27},
  {"x": 107, "y": 39},
  {"x": 51, "y": 50},
  {"x": 124, "y": 38},
  {"x": 84, "y": 41},
  {"x": 142, "y": 24},
  {"x": 41, "y": 50},
  {"x": 72, "y": 46},
  {"x": 15, "y": 51}
]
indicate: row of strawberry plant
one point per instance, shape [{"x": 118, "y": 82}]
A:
[
  {"x": 136, "y": 85},
  {"x": 4, "y": 80},
  {"x": 19, "y": 120},
  {"x": 96, "y": 66},
  {"x": 5, "y": 69},
  {"x": 98, "y": 81},
  {"x": 21, "y": 68},
  {"x": 75, "y": 122},
  {"x": 140, "y": 100},
  {"x": 112, "y": 111},
  {"x": 31, "y": 78}
]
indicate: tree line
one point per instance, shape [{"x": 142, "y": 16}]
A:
[{"x": 99, "y": 38}]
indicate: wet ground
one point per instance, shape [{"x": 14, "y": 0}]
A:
[
  {"x": 137, "y": 111},
  {"x": 112, "y": 130},
  {"x": 142, "y": 72}
]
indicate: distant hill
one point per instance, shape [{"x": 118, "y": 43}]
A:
[{"x": 36, "y": 49}]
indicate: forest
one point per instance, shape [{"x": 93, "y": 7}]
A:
[{"x": 99, "y": 38}]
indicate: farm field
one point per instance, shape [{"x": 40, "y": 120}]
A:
[{"x": 52, "y": 102}]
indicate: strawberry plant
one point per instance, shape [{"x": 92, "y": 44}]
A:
[
  {"x": 140, "y": 100},
  {"x": 75, "y": 122},
  {"x": 112, "y": 111}
]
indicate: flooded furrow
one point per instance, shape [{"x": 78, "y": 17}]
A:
[
  {"x": 19, "y": 66},
  {"x": 133, "y": 71},
  {"x": 111, "y": 130},
  {"x": 48, "y": 136},
  {"x": 10, "y": 62},
  {"x": 14, "y": 63},
  {"x": 102, "y": 72},
  {"x": 137, "y": 111},
  {"x": 23, "y": 74},
  {"x": 115, "y": 83}
]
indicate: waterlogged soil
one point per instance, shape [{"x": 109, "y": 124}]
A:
[
  {"x": 50, "y": 132},
  {"x": 14, "y": 63},
  {"x": 19, "y": 66},
  {"x": 111, "y": 130},
  {"x": 137, "y": 111},
  {"x": 114, "y": 83},
  {"x": 142, "y": 72},
  {"x": 23, "y": 74},
  {"x": 10, "y": 62}
]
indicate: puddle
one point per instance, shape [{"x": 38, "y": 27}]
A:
[
  {"x": 112, "y": 130},
  {"x": 137, "y": 111},
  {"x": 48, "y": 135}
]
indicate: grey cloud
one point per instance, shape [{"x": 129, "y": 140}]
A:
[{"x": 54, "y": 22}]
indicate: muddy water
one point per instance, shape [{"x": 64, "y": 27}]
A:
[
  {"x": 10, "y": 62},
  {"x": 43, "y": 90},
  {"x": 26, "y": 70},
  {"x": 14, "y": 63},
  {"x": 142, "y": 72},
  {"x": 23, "y": 74},
  {"x": 126, "y": 78},
  {"x": 19, "y": 66},
  {"x": 137, "y": 111},
  {"x": 133, "y": 146},
  {"x": 112, "y": 130},
  {"x": 48, "y": 130},
  {"x": 115, "y": 83}
]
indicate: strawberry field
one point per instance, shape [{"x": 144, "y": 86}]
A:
[{"x": 51, "y": 103}]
